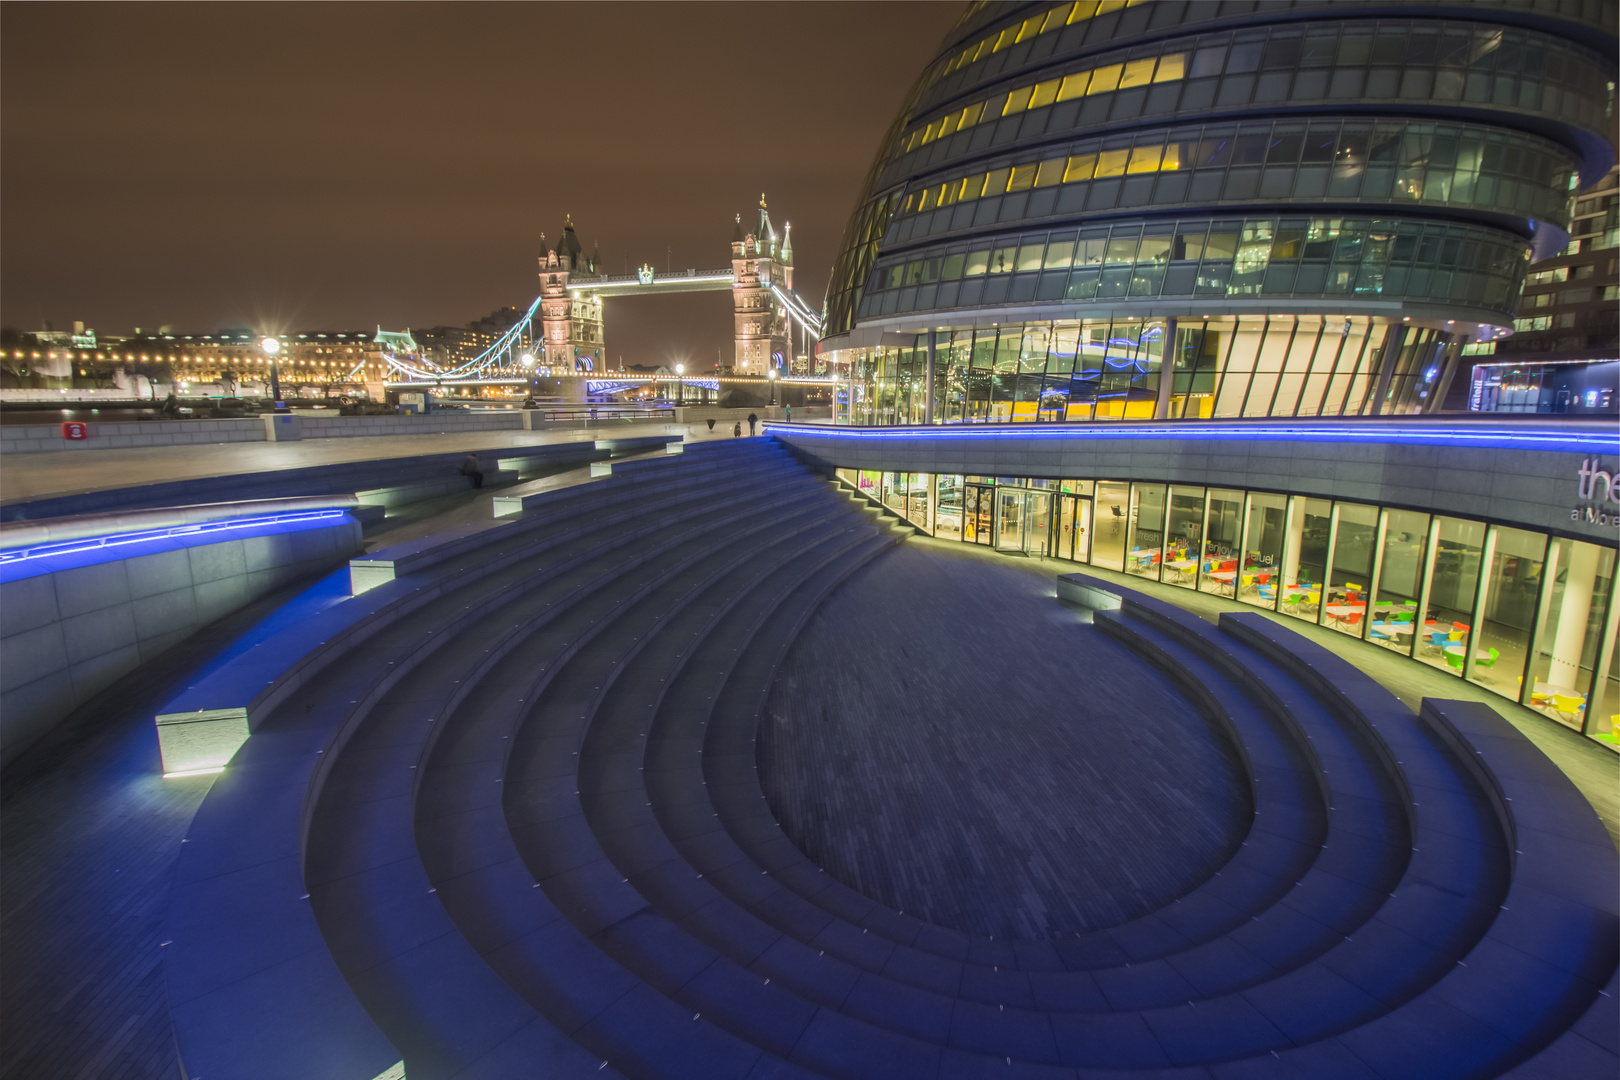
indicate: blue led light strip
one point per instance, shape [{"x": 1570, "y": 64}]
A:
[
  {"x": 1469, "y": 435},
  {"x": 40, "y": 551}
]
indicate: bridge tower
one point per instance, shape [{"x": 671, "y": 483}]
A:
[
  {"x": 764, "y": 337},
  {"x": 571, "y": 326}
]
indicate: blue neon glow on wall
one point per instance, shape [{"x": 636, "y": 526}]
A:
[
  {"x": 1481, "y": 435},
  {"x": 86, "y": 551}
]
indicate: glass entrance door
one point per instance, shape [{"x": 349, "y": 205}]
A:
[
  {"x": 1073, "y": 537},
  {"x": 978, "y": 513},
  {"x": 1037, "y": 523},
  {"x": 1023, "y": 520},
  {"x": 1010, "y": 519}
]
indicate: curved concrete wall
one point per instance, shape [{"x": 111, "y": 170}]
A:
[{"x": 1524, "y": 474}]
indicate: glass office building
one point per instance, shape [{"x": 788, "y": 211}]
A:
[
  {"x": 1109, "y": 210},
  {"x": 1524, "y": 613}
]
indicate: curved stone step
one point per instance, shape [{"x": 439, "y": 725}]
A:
[
  {"x": 365, "y": 823},
  {"x": 254, "y": 991}
]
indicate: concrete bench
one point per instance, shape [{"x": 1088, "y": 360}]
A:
[{"x": 402, "y": 494}]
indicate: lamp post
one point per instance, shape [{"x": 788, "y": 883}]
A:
[
  {"x": 271, "y": 347},
  {"x": 680, "y": 386},
  {"x": 770, "y": 375},
  {"x": 527, "y": 360}
]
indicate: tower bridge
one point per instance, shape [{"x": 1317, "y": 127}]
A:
[{"x": 563, "y": 332}]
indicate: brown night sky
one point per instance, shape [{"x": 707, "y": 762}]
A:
[{"x": 311, "y": 166}]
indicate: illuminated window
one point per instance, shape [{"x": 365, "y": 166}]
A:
[
  {"x": 1112, "y": 162},
  {"x": 1137, "y": 73},
  {"x": 1074, "y": 85},
  {"x": 1017, "y": 101}
]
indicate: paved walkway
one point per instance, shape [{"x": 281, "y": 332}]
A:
[
  {"x": 947, "y": 738},
  {"x": 89, "y": 832},
  {"x": 68, "y": 472}
]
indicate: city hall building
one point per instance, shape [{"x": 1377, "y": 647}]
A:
[{"x": 1153, "y": 232}]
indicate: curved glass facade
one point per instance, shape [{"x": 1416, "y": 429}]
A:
[{"x": 1230, "y": 172}]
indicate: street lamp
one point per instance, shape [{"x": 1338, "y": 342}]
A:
[
  {"x": 680, "y": 387},
  {"x": 770, "y": 374},
  {"x": 271, "y": 347}
]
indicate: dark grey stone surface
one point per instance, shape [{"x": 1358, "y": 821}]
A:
[{"x": 947, "y": 739}]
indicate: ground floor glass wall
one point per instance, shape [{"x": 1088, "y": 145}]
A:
[{"x": 1526, "y": 615}]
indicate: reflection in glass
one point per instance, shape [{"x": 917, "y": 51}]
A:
[
  {"x": 1400, "y": 577},
  {"x": 1570, "y": 630},
  {"x": 1262, "y": 549},
  {"x": 1108, "y": 536},
  {"x": 1222, "y": 536},
  {"x": 948, "y": 508},
  {"x": 1305, "y": 551},
  {"x": 1146, "y": 530},
  {"x": 1344, "y": 606},
  {"x": 1457, "y": 546},
  {"x": 1507, "y": 607},
  {"x": 1184, "y": 536},
  {"x": 1605, "y": 715}
]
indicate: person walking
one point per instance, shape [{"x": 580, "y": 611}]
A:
[
  {"x": 752, "y": 420},
  {"x": 469, "y": 467},
  {"x": 787, "y": 411}
]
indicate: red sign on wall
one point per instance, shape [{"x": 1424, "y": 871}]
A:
[{"x": 74, "y": 429}]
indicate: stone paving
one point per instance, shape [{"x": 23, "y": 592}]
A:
[
  {"x": 945, "y": 737},
  {"x": 89, "y": 832}
]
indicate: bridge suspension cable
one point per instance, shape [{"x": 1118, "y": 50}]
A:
[
  {"x": 797, "y": 309},
  {"x": 519, "y": 335}
]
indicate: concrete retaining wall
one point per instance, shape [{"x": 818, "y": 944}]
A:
[
  {"x": 41, "y": 438},
  {"x": 68, "y": 632}
]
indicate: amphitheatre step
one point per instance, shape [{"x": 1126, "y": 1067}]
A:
[
  {"x": 362, "y": 833},
  {"x": 216, "y": 965}
]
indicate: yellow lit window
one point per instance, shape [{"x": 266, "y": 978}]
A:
[
  {"x": 1023, "y": 178},
  {"x": 1137, "y": 73},
  {"x": 1174, "y": 155},
  {"x": 1031, "y": 26},
  {"x": 1145, "y": 159},
  {"x": 976, "y": 263},
  {"x": 1109, "y": 5},
  {"x": 996, "y": 182},
  {"x": 1171, "y": 67},
  {"x": 1104, "y": 79},
  {"x": 948, "y": 124},
  {"x": 1050, "y": 172},
  {"x": 927, "y": 202},
  {"x": 1112, "y": 162},
  {"x": 949, "y": 192},
  {"x": 1080, "y": 167},
  {"x": 1085, "y": 9},
  {"x": 1006, "y": 38},
  {"x": 1003, "y": 260},
  {"x": 1017, "y": 101},
  {"x": 1074, "y": 85},
  {"x": 1045, "y": 93},
  {"x": 973, "y": 187},
  {"x": 971, "y": 114},
  {"x": 1057, "y": 17}
]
